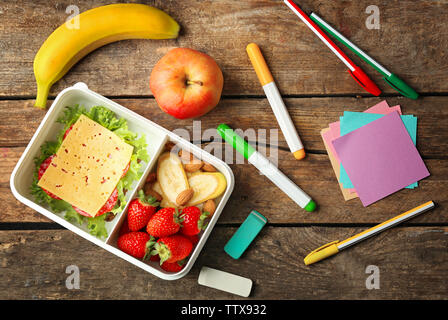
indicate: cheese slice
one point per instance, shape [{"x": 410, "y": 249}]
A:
[{"x": 87, "y": 166}]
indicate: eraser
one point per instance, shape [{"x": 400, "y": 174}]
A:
[
  {"x": 245, "y": 234},
  {"x": 225, "y": 281}
]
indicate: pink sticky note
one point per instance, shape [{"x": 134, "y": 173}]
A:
[
  {"x": 335, "y": 128},
  {"x": 381, "y": 107},
  {"x": 380, "y": 158}
]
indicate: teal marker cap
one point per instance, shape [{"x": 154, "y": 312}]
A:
[{"x": 235, "y": 140}]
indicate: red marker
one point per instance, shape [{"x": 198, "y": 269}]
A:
[{"x": 355, "y": 71}]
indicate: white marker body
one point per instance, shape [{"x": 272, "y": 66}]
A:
[
  {"x": 279, "y": 179},
  {"x": 283, "y": 118}
]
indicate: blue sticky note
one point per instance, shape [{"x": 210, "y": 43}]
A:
[
  {"x": 245, "y": 234},
  {"x": 355, "y": 120}
]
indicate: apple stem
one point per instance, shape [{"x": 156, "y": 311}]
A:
[{"x": 189, "y": 82}]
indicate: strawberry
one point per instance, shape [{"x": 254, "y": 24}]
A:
[
  {"x": 154, "y": 258},
  {"x": 135, "y": 244},
  {"x": 43, "y": 167},
  {"x": 173, "y": 267},
  {"x": 193, "y": 221},
  {"x": 140, "y": 211},
  {"x": 172, "y": 248},
  {"x": 164, "y": 222},
  {"x": 108, "y": 206},
  {"x": 124, "y": 228},
  {"x": 194, "y": 238}
]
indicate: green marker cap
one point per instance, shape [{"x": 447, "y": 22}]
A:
[
  {"x": 311, "y": 206},
  {"x": 401, "y": 86},
  {"x": 235, "y": 140}
]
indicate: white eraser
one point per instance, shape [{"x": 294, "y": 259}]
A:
[{"x": 225, "y": 281}]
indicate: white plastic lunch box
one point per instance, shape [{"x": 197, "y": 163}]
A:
[{"x": 156, "y": 137}]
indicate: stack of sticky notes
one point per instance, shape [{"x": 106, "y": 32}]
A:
[{"x": 373, "y": 153}]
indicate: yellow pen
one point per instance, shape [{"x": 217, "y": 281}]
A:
[
  {"x": 275, "y": 100},
  {"x": 334, "y": 247}
]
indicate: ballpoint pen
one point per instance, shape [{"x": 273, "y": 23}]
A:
[
  {"x": 355, "y": 71},
  {"x": 267, "y": 168},
  {"x": 394, "y": 81},
  {"x": 276, "y": 101},
  {"x": 334, "y": 247}
]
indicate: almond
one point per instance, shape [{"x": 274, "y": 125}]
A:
[
  {"x": 185, "y": 156},
  {"x": 193, "y": 166},
  {"x": 207, "y": 167},
  {"x": 169, "y": 146},
  {"x": 184, "y": 197},
  {"x": 152, "y": 176},
  {"x": 209, "y": 206}
]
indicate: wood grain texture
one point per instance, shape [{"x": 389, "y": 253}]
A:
[
  {"x": 19, "y": 120},
  {"x": 254, "y": 191},
  {"x": 300, "y": 62},
  {"x": 411, "y": 261},
  {"x": 412, "y": 42}
]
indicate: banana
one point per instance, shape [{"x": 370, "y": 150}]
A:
[
  {"x": 97, "y": 27},
  {"x": 171, "y": 176},
  {"x": 206, "y": 185}
]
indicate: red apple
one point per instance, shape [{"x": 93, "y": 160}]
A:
[{"x": 186, "y": 83}]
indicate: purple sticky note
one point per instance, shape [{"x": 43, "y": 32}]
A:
[{"x": 380, "y": 158}]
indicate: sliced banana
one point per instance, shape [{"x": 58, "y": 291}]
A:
[
  {"x": 171, "y": 176},
  {"x": 206, "y": 185},
  {"x": 164, "y": 203}
]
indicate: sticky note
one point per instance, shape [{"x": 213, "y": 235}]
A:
[
  {"x": 225, "y": 281},
  {"x": 335, "y": 132},
  {"x": 327, "y": 137},
  {"x": 380, "y": 158},
  {"x": 245, "y": 234},
  {"x": 354, "y": 120}
]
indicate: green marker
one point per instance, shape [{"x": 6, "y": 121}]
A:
[
  {"x": 267, "y": 168},
  {"x": 395, "y": 82}
]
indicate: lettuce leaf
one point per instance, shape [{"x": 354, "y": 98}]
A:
[{"x": 108, "y": 119}]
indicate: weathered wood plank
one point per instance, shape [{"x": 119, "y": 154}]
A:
[
  {"x": 19, "y": 120},
  {"x": 411, "y": 262},
  {"x": 254, "y": 191},
  {"x": 299, "y": 61}
]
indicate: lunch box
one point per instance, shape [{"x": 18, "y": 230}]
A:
[{"x": 156, "y": 138}]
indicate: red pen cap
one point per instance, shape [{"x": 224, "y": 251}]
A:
[{"x": 364, "y": 81}]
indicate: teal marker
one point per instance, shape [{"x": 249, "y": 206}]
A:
[
  {"x": 392, "y": 79},
  {"x": 267, "y": 168}
]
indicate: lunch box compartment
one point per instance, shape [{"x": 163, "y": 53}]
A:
[{"x": 156, "y": 137}]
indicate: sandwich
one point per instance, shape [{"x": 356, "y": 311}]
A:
[{"x": 88, "y": 169}]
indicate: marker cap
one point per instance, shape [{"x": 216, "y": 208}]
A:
[
  {"x": 299, "y": 154},
  {"x": 235, "y": 140},
  {"x": 259, "y": 64},
  {"x": 401, "y": 86}
]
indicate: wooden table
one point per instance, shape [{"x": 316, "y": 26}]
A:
[{"x": 412, "y": 42}]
